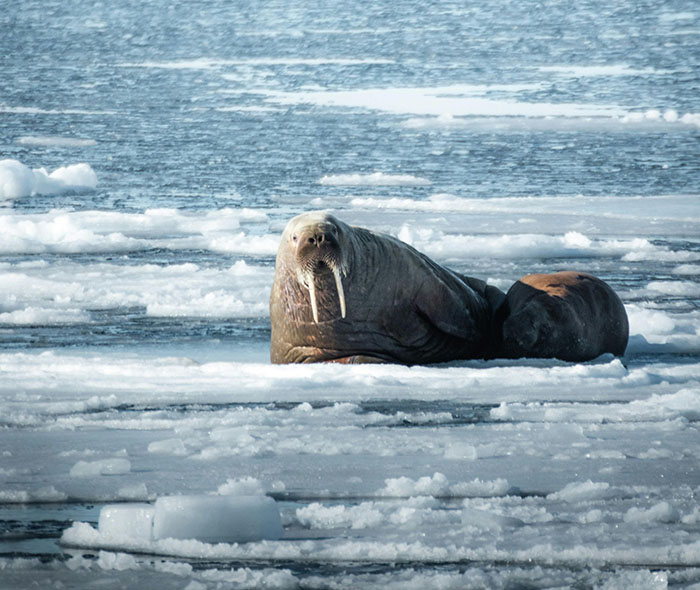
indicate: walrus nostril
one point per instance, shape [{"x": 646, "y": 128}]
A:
[{"x": 317, "y": 239}]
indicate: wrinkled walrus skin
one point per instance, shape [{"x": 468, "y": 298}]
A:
[
  {"x": 572, "y": 316},
  {"x": 348, "y": 294}
]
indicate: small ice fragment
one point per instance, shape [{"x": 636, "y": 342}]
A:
[
  {"x": 169, "y": 446},
  {"x": 462, "y": 451},
  {"x": 662, "y": 512},
  {"x": 217, "y": 519},
  {"x": 115, "y": 466},
  {"x": 671, "y": 116},
  {"x": 130, "y": 520},
  {"x": 486, "y": 520}
]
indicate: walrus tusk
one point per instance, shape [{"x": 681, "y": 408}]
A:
[
  {"x": 308, "y": 281},
  {"x": 312, "y": 296},
  {"x": 341, "y": 293}
]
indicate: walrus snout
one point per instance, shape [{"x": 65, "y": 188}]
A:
[
  {"x": 311, "y": 239},
  {"x": 318, "y": 246}
]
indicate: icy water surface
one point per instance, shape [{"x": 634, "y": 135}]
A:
[{"x": 500, "y": 138}]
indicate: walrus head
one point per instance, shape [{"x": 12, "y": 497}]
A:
[{"x": 315, "y": 241}]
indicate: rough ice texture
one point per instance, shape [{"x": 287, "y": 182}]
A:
[
  {"x": 581, "y": 492},
  {"x": 127, "y": 521}
]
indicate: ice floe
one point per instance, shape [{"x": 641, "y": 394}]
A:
[{"x": 18, "y": 180}]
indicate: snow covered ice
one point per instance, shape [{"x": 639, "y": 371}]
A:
[{"x": 150, "y": 157}]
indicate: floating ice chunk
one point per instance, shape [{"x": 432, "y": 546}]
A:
[
  {"x": 480, "y": 488},
  {"x": 317, "y": 515},
  {"x": 246, "y": 486},
  {"x": 438, "y": 486},
  {"x": 45, "y": 494},
  {"x": 18, "y": 180},
  {"x": 375, "y": 179},
  {"x": 649, "y": 321},
  {"x": 127, "y": 521},
  {"x": 675, "y": 288},
  {"x": 404, "y": 487},
  {"x": 638, "y": 579},
  {"x": 486, "y": 520},
  {"x": 661, "y": 512},
  {"x": 691, "y": 119},
  {"x": 463, "y": 451},
  {"x": 109, "y": 560},
  {"x": 55, "y": 141},
  {"x": 687, "y": 269},
  {"x": 137, "y": 491},
  {"x": 76, "y": 175},
  {"x": 101, "y": 467},
  {"x": 671, "y": 116},
  {"x": 33, "y": 316},
  {"x": 502, "y": 412},
  {"x": 168, "y": 446},
  {"x": 582, "y": 492},
  {"x": 599, "y": 71},
  {"x": 217, "y": 519}
]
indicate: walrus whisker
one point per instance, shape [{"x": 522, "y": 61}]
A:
[{"x": 339, "y": 287}]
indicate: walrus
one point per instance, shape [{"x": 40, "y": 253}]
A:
[
  {"x": 569, "y": 315},
  {"x": 348, "y": 294}
]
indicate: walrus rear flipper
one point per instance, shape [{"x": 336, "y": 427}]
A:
[{"x": 569, "y": 315}]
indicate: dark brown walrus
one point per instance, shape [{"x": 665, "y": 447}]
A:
[
  {"x": 567, "y": 315},
  {"x": 348, "y": 294}
]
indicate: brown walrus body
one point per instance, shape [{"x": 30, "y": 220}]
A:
[
  {"x": 568, "y": 315},
  {"x": 348, "y": 294}
]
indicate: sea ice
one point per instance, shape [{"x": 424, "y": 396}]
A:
[
  {"x": 114, "y": 466},
  {"x": 18, "y": 180},
  {"x": 55, "y": 141},
  {"x": 128, "y": 521},
  {"x": 217, "y": 519},
  {"x": 486, "y": 520},
  {"x": 202, "y": 518},
  {"x": 661, "y": 512},
  {"x": 375, "y": 179},
  {"x": 581, "y": 492}
]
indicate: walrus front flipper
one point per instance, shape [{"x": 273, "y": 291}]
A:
[
  {"x": 444, "y": 309},
  {"x": 359, "y": 359}
]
